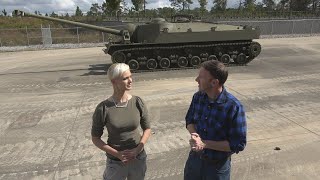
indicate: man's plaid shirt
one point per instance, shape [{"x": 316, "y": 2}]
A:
[{"x": 223, "y": 119}]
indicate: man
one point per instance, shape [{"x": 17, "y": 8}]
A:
[{"x": 217, "y": 124}]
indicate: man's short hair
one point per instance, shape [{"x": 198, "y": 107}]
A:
[
  {"x": 217, "y": 69},
  {"x": 116, "y": 70}
]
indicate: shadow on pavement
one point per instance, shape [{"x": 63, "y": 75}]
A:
[{"x": 97, "y": 69}]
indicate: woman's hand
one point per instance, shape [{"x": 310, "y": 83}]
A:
[{"x": 128, "y": 155}]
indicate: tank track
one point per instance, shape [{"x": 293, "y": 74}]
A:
[{"x": 231, "y": 64}]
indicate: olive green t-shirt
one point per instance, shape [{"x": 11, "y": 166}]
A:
[{"x": 122, "y": 123}]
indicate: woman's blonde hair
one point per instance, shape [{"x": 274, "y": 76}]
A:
[{"x": 116, "y": 70}]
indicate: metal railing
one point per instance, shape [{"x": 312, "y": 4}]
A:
[
  {"x": 47, "y": 36},
  {"x": 282, "y": 27}
]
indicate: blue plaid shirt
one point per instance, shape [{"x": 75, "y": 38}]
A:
[{"x": 223, "y": 119}]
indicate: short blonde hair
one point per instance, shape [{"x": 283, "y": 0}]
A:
[{"x": 116, "y": 70}]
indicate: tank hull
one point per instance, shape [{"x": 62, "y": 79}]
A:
[{"x": 182, "y": 55}]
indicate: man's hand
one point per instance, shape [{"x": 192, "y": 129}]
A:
[{"x": 196, "y": 142}]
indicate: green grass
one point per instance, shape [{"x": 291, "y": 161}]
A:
[{"x": 17, "y": 31}]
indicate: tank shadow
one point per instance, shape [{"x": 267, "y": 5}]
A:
[{"x": 97, "y": 69}]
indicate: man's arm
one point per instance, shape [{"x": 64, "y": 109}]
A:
[
  {"x": 238, "y": 130},
  {"x": 198, "y": 144},
  {"x": 217, "y": 145},
  {"x": 191, "y": 128}
]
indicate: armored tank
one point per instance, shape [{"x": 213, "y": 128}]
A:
[{"x": 181, "y": 43}]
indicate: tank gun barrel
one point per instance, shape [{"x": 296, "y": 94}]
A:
[{"x": 89, "y": 26}]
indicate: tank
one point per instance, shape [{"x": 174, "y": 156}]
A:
[{"x": 181, "y": 43}]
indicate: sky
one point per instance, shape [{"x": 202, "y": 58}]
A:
[{"x": 69, "y": 6}]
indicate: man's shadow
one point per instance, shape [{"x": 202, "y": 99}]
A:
[{"x": 97, "y": 69}]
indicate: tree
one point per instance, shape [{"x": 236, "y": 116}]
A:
[
  {"x": 249, "y": 5},
  {"x": 300, "y": 5},
  {"x": 284, "y": 4},
  {"x": 219, "y": 5},
  {"x": 261, "y": 7},
  {"x": 186, "y": 4},
  {"x": 53, "y": 14},
  {"x": 315, "y": 5},
  {"x": 166, "y": 11},
  {"x": 78, "y": 12},
  {"x": 203, "y": 5},
  {"x": 240, "y": 5},
  {"x": 181, "y": 4},
  {"x": 111, "y": 7},
  {"x": 124, "y": 6},
  {"x": 175, "y": 4},
  {"x": 95, "y": 10},
  {"x": 137, "y": 4},
  {"x": 144, "y": 7},
  {"x": 4, "y": 12},
  {"x": 296, "y": 5},
  {"x": 269, "y": 4}
]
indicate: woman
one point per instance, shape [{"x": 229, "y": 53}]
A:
[{"x": 122, "y": 114}]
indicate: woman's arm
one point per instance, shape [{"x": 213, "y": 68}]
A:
[
  {"x": 131, "y": 154},
  {"x": 97, "y": 141},
  {"x": 145, "y": 136}
]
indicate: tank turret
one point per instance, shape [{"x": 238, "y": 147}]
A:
[{"x": 181, "y": 43}]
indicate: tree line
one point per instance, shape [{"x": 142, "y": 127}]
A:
[{"x": 117, "y": 8}]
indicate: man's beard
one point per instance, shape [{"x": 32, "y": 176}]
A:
[{"x": 205, "y": 89}]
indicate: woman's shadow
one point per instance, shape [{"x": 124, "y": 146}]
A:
[{"x": 97, "y": 69}]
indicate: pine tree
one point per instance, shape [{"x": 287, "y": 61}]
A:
[
  {"x": 4, "y": 12},
  {"x": 203, "y": 6},
  {"x": 78, "y": 12},
  {"x": 53, "y": 14}
]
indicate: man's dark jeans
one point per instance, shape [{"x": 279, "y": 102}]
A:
[{"x": 199, "y": 169}]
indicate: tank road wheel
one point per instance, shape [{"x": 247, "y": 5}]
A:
[
  {"x": 241, "y": 59},
  {"x": 118, "y": 57},
  {"x": 225, "y": 59},
  {"x": 195, "y": 61},
  {"x": 254, "y": 49},
  {"x": 164, "y": 63},
  {"x": 182, "y": 62},
  {"x": 152, "y": 64},
  {"x": 133, "y": 64},
  {"x": 212, "y": 57}
]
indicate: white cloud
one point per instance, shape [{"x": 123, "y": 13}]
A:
[{"x": 154, "y": 4}]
